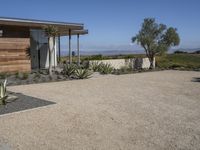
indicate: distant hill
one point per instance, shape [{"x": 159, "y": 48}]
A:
[
  {"x": 124, "y": 52},
  {"x": 189, "y": 50},
  {"x": 107, "y": 52}
]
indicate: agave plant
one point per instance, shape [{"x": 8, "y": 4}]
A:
[
  {"x": 106, "y": 68},
  {"x": 69, "y": 69},
  {"x": 83, "y": 73},
  {"x": 3, "y": 93},
  {"x": 95, "y": 66}
]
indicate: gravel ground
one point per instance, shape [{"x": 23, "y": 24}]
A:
[{"x": 154, "y": 111}]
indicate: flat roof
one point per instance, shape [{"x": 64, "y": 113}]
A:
[
  {"x": 74, "y": 32},
  {"x": 63, "y": 27}
]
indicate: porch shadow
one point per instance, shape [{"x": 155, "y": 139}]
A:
[{"x": 23, "y": 102}]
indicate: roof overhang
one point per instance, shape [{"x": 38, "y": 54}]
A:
[
  {"x": 73, "y": 32},
  {"x": 63, "y": 27}
]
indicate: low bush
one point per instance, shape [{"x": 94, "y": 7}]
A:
[
  {"x": 94, "y": 57},
  {"x": 126, "y": 69},
  {"x": 17, "y": 75},
  {"x": 179, "y": 61},
  {"x": 3, "y": 75},
  {"x": 37, "y": 75},
  {"x": 25, "y": 76},
  {"x": 123, "y": 70},
  {"x": 180, "y": 52},
  {"x": 21, "y": 76}
]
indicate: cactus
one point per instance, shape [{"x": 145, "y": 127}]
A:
[{"x": 3, "y": 93}]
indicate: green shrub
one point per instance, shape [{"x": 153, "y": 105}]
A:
[
  {"x": 43, "y": 72},
  {"x": 106, "y": 68},
  {"x": 94, "y": 57},
  {"x": 125, "y": 69},
  {"x": 180, "y": 52},
  {"x": 179, "y": 61},
  {"x": 25, "y": 76},
  {"x": 37, "y": 75},
  {"x": 69, "y": 69},
  {"x": 21, "y": 76},
  {"x": 128, "y": 56},
  {"x": 3, "y": 75},
  {"x": 83, "y": 73},
  {"x": 17, "y": 75}
]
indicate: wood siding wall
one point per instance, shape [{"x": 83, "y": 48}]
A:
[
  {"x": 13, "y": 49},
  {"x": 13, "y": 55}
]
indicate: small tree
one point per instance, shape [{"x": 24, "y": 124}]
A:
[
  {"x": 156, "y": 38},
  {"x": 51, "y": 32}
]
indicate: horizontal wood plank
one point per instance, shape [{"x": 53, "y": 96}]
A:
[{"x": 13, "y": 55}]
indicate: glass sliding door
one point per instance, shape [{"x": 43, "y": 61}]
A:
[{"x": 39, "y": 49}]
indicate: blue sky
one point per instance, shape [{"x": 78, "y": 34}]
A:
[{"x": 112, "y": 23}]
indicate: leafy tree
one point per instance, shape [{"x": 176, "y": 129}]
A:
[
  {"x": 156, "y": 38},
  {"x": 51, "y": 32}
]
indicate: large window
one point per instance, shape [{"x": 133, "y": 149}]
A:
[{"x": 39, "y": 50}]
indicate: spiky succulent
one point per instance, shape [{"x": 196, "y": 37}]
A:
[
  {"x": 106, "y": 68},
  {"x": 83, "y": 73},
  {"x": 69, "y": 69},
  {"x": 3, "y": 92},
  {"x": 95, "y": 66}
]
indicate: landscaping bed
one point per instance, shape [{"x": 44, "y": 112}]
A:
[
  {"x": 43, "y": 76},
  {"x": 72, "y": 72},
  {"x": 66, "y": 72},
  {"x": 33, "y": 77}
]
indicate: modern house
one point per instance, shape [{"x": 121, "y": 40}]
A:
[{"x": 24, "y": 45}]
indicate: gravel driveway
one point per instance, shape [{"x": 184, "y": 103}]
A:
[{"x": 154, "y": 111}]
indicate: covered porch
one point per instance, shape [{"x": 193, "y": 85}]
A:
[
  {"x": 24, "y": 46},
  {"x": 68, "y": 34}
]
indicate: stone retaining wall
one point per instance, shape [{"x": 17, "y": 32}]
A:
[
  {"x": 116, "y": 63},
  {"x": 135, "y": 63}
]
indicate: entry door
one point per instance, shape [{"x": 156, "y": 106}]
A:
[{"x": 39, "y": 49}]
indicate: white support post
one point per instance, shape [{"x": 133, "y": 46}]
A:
[
  {"x": 78, "y": 49},
  {"x": 70, "y": 53},
  {"x": 55, "y": 54}
]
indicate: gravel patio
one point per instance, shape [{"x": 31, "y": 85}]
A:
[{"x": 153, "y": 110}]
